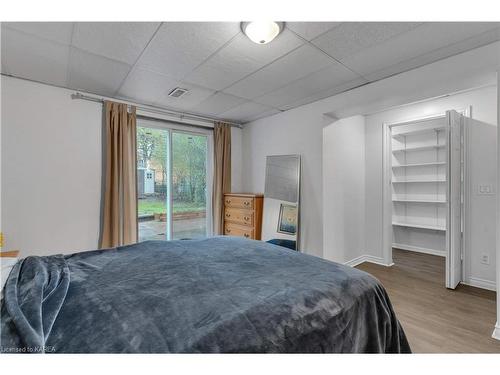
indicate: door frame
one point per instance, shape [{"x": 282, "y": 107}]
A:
[
  {"x": 173, "y": 127},
  {"x": 387, "y": 180}
]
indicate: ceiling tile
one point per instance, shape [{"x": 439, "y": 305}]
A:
[
  {"x": 429, "y": 39},
  {"x": 297, "y": 64},
  {"x": 241, "y": 57},
  {"x": 326, "y": 93},
  {"x": 94, "y": 73},
  {"x": 218, "y": 103},
  {"x": 435, "y": 55},
  {"x": 147, "y": 86},
  {"x": 247, "y": 111},
  {"x": 123, "y": 41},
  {"x": 351, "y": 37},
  {"x": 179, "y": 47},
  {"x": 208, "y": 57},
  {"x": 55, "y": 31},
  {"x": 310, "y": 30},
  {"x": 27, "y": 56},
  {"x": 189, "y": 100},
  {"x": 262, "y": 115},
  {"x": 322, "y": 80},
  {"x": 153, "y": 88}
]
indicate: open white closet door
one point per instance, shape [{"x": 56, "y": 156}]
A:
[{"x": 454, "y": 212}]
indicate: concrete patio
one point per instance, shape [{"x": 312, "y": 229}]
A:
[{"x": 182, "y": 229}]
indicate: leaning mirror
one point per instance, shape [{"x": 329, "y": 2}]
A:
[{"x": 281, "y": 201}]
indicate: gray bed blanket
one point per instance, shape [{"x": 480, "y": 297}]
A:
[{"x": 197, "y": 296}]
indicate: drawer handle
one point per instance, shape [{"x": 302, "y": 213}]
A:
[
  {"x": 228, "y": 201},
  {"x": 228, "y": 230},
  {"x": 246, "y": 218},
  {"x": 246, "y": 203},
  {"x": 228, "y": 215},
  {"x": 246, "y": 235}
]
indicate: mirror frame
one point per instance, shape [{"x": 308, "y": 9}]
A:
[{"x": 299, "y": 187}]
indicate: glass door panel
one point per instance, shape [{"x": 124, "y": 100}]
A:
[
  {"x": 189, "y": 185},
  {"x": 152, "y": 183}
]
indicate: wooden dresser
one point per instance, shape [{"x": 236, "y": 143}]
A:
[{"x": 243, "y": 215}]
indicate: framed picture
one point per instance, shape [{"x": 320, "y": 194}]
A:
[{"x": 287, "y": 222}]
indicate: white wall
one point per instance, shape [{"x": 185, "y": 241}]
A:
[
  {"x": 300, "y": 130},
  {"x": 484, "y": 108},
  {"x": 236, "y": 171},
  {"x": 51, "y": 168},
  {"x": 294, "y": 132},
  {"x": 344, "y": 189},
  {"x": 480, "y": 216}
]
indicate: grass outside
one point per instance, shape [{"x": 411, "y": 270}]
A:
[{"x": 157, "y": 206}]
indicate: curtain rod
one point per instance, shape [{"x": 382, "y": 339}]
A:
[{"x": 156, "y": 109}]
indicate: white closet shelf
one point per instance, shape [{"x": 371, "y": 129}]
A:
[
  {"x": 419, "y": 164},
  {"x": 419, "y": 148},
  {"x": 420, "y": 226},
  {"x": 416, "y": 181},
  {"x": 419, "y": 131},
  {"x": 419, "y": 200}
]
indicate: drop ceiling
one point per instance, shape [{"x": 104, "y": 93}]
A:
[{"x": 228, "y": 76}]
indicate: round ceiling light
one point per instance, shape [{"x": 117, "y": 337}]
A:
[{"x": 262, "y": 32}]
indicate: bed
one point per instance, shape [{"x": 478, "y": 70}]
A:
[{"x": 216, "y": 295}]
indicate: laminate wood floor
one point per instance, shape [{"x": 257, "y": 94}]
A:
[{"x": 436, "y": 319}]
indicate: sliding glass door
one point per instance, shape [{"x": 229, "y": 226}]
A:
[
  {"x": 173, "y": 187},
  {"x": 189, "y": 185}
]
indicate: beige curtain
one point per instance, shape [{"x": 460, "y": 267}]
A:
[
  {"x": 222, "y": 173},
  {"x": 119, "y": 198}
]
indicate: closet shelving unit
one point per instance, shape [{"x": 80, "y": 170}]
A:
[{"x": 419, "y": 176}]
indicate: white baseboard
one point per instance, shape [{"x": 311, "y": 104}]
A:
[
  {"x": 481, "y": 283},
  {"x": 496, "y": 332},
  {"x": 367, "y": 258},
  {"x": 440, "y": 253},
  {"x": 354, "y": 262}
]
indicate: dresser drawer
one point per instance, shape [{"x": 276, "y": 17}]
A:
[
  {"x": 239, "y": 202},
  {"x": 231, "y": 229},
  {"x": 239, "y": 216}
]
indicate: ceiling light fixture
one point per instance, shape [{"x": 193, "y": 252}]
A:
[{"x": 262, "y": 32}]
